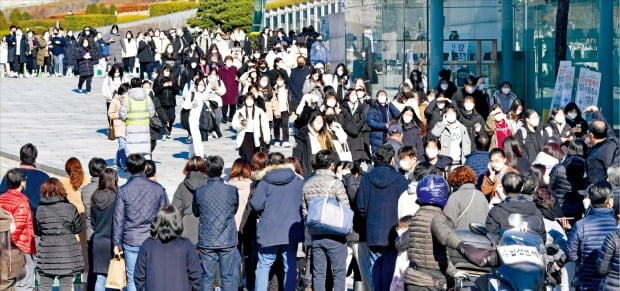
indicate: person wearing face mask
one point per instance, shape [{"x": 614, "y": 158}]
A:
[
  {"x": 530, "y": 135},
  {"x": 353, "y": 120},
  {"x": 414, "y": 130},
  {"x": 252, "y": 127},
  {"x": 145, "y": 56},
  {"x": 278, "y": 68},
  {"x": 112, "y": 81},
  {"x": 161, "y": 114},
  {"x": 170, "y": 58},
  {"x": 278, "y": 106},
  {"x": 378, "y": 119},
  {"x": 311, "y": 139},
  {"x": 319, "y": 52},
  {"x": 416, "y": 80},
  {"x": 446, "y": 87},
  {"x": 515, "y": 115},
  {"x": 195, "y": 102},
  {"x": 557, "y": 128},
  {"x": 58, "y": 51},
  {"x": 466, "y": 204},
  {"x": 86, "y": 59},
  {"x": 116, "y": 45},
  {"x": 299, "y": 74},
  {"x": 435, "y": 110},
  {"x": 432, "y": 147},
  {"x": 228, "y": 75},
  {"x": 70, "y": 61},
  {"x": 221, "y": 43},
  {"x": 503, "y": 96},
  {"x": 497, "y": 126},
  {"x": 19, "y": 55},
  {"x": 453, "y": 137},
  {"x": 469, "y": 89},
  {"x": 166, "y": 88},
  {"x": 407, "y": 161},
  {"x": 314, "y": 83},
  {"x": 472, "y": 120},
  {"x": 215, "y": 91},
  {"x": 575, "y": 120},
  {"x": 130, "y": 51},
  {"x": 492, "y": 181}
]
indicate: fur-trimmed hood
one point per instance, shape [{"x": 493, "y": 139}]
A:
[{"x": 277, "y": 174}]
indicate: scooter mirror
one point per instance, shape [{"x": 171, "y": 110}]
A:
[{"x": 478, "y": 229}]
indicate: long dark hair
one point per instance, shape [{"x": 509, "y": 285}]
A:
[
  {"x": 416, "y": 120},
  {"x": 167, "y": 224},
  {"x": 108, "y": 180},
  {"x": 113, "y": 69}
]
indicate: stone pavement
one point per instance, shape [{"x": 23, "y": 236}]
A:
[{"x": 64, "y": 124}]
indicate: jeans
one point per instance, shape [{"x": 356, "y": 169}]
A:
[
  {"x": 88, "y": 80},
  {"x": 46, "y": 282},
  {"x": 229, "y": 261},
  {"x": 359, "y": 251},
  {"x": 27, "y": 282},
  {"x": 100, "y": 283},
  {"x": 131, "y": 256},
  {"x": 58, "y": 69},
  {"x": 266, "y": 258},
  {"x": 121, "y": 156},
  {"x": 324, "y": 248},
  {"x": 382, "y": 262}
]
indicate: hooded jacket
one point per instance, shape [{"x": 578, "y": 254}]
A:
[
  {"x": 277, "y": 200},
  {"x": 498, "y": 215},
  {"x": 101, "y": 212},
  {"x": 183, "y": 199},
  {"x": 377, "y": 202}
]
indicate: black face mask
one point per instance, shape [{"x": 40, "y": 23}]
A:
[
  {"x": 330, "y": 118},
  {"x": 301, "y": 65}
]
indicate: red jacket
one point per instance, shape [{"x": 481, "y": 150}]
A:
[{"x": 17, "y": 204}]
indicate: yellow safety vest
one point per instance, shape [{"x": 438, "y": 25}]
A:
[{"x": 137, "y": 116}]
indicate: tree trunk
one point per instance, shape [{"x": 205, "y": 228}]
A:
[{"x": 561, "y": 29}]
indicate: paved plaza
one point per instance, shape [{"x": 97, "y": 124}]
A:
[{"x": 64, "y": 124}]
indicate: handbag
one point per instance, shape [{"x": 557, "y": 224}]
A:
[
  {"x": 117, "y": 278},
  {"x": 156, "y": 123},
  {"x": 111, "y": 130},
  {"x": 327, "y": 216},
  {"x": 344, "y": 152}
]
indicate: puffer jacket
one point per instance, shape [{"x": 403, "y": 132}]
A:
[
  {"x": 377, "y": 202},
  {"x": 430, "y": 232},
  {"x": 470, "y": 121},
  {"x": 215, "y": 204},
  {"x": 565, "y": 179},
  {"x": 183, "y": 199},
  {"x": 277, "y": 200},
  {"x": 323, "y": 183},
  {"x": 137, "y": 204},
  {"x": 59, "y": 252},
  {"x": 377, "y": 118},
  {"x": 167, "y": 95},
  {"x": 608, "y": 262},
  {"x": 18, "y": 206},
  {"x": 602, "y": 156},
  {"x": 584, "y": 243},
  {"x": 521, "y": 204}
]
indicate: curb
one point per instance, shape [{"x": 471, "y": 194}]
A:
[{"x": 43, "y": 167}]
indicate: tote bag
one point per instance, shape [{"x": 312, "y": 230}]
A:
[
  {"x": 326, "y": 216},
  {"x": 117, "y": 278}
]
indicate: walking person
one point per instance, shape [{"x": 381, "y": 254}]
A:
[
  {"x": 114, "y": 116},
  {"x": 228, "y": 75},
  {"x": 86, "y": 57},
  {"x": 216, "y": 203},
  {"x": 116, "y": 46},
  {"x": 166, "y": 89},
  {"x": 59, "y": 253},
  {"x": 195, "y": 103},
  {"x": 326, "y": 248},
  {"x": 252, "y": 128},
  {"x": 101, "y": 212},
  {"x": 111, "y": 83},
  {"x": 167, "y": 261},
  {"x": 136, "y": 111},
  {"x": 137, "y": 204}
]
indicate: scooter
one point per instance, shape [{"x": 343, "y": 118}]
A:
[{"x": 519, "y": 260}]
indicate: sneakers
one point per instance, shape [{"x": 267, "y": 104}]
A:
[
  {"x": 224, "y": 120},
  {"x": 285, "y": 144},
  {"x": 188, "y": 139}
]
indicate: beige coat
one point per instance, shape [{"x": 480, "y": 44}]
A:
[
  {"x": 113, "y": 113},
  {"x": 43, "y": 52}
]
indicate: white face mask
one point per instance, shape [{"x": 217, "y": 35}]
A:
[
  {"x": 340, "y": 72},
  {"x": 360, "y": 94},
  {"x": 586, "y": 203},
  {"x": 317, "y": 126},
  {"x": 560, "y": 119},
  {"x": 201, "y": 88},
  {"x": 194, "y": 65},
  {"x": 166, "y": 74},
  {"x": 441, "y": 105},
  {"x": 498, "y": 166},
  {"x": 534, "y": 122},
  {"x": 117, "y": 75},
  {"x": 572, "y": 115},
  {"x": 170, "y": 50},
  {"x": 249, "y": 103},
  {"x": 382, "y": 99},
  {"x": 444, "y": 87},
  {"x": 212, "y": 79},
  {"x": 353, "y": 98},
  {"x": 500, "y": 116},
  {"x": 519, "y": 111},
  {"x": 468, "y": 106},
  {"x": 404, "y": 164},
  {"x": 407, "y": 118},
  {"x": 506, "y": 91},
  {"x": 451, "y": 118},
  {"x": 264, "y": 83},
  {"x": 331, "y": 103},
  {"x": 431, "y": 153},
  {"x": 481, "y": 87},
  {"x": 470, "y": 90},
  {"x": 280, "y": 82}
]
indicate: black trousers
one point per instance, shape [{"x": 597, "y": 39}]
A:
[
  {"x": 228, "y": 111},
  {"x": 247, "y": 148},
  {"x": 146, "y": 68},
  {"x": 128, "y": 64},
  {"x": 171, "y": 114},
  {"x": 281, "y": 124},
  {"x": 88, "y": 80},
  {"x": 17, "y": 67}
]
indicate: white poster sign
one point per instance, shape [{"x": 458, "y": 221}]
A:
[{"x": 588, "y": 88}]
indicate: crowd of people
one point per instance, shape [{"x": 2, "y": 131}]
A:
[{"x": 412, "y": 167}]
